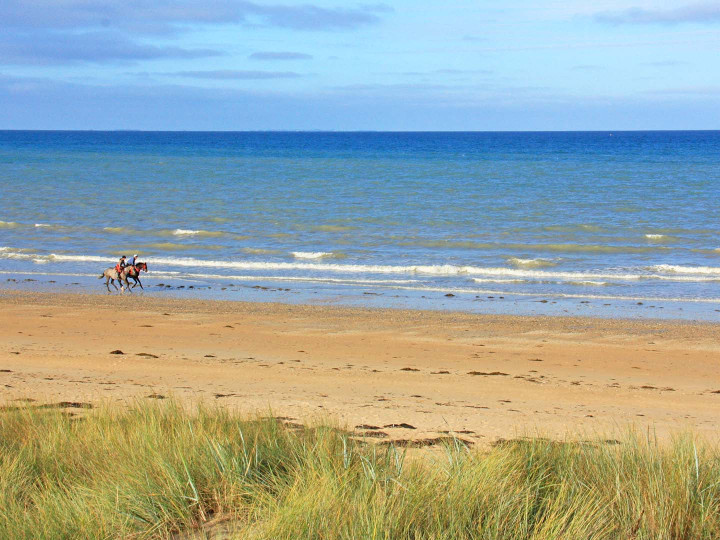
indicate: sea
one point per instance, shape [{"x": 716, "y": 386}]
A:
[{"x": 603, "y": 224}]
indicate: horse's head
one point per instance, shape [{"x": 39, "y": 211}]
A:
[{"x": 141, "y": 266}]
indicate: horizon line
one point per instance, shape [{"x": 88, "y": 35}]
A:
[{"x": 356, "y": 131}]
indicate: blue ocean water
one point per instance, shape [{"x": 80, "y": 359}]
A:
[{"x": 597, "y": 223}]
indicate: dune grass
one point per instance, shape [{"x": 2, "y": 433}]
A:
[{"x": 157, "y": 470}]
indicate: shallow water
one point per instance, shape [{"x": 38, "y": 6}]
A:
[{"x": 596, "y": 223}]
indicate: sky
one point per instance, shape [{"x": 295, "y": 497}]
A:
[{"x": 400, "y": 65}]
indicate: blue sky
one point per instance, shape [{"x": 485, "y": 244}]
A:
[{"x": 325, "y": 64}]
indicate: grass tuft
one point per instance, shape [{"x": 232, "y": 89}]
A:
[{"x": 157, "y": 470}]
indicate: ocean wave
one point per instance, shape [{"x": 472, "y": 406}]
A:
[
  {"x": 554, "y": 248},
  {"x": 499, "y": 280},
  {"x": 191, "y": 232},
  {"x": 260, "y": 251},
  {"x": 677, "y": 269},
  {"x": 8, "y": 225},
  {"x": 50, "y": 227},
  {"x": 346, "y": 281},
  {"x": 311, "y": 254},
  {"x": 12, "y": 250},
  {"x": 658, "y": 272},
  {"x": 657, "y": 237},
  {"x": 530, "y": 263}
]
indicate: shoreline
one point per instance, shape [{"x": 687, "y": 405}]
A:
[
  {"x": 487, "y": 376},
  {"x": 269, "y": 290}
]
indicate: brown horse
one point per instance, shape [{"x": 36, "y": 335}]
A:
[{"x": 132, "y": 272}]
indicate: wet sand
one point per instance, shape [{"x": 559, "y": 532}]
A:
[{"x": 389, "y": 374}]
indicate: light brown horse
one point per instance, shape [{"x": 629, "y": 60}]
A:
[{"x": 132, "y": 272}]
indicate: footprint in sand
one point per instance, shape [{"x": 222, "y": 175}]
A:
[{"x": 488, "y": 373}]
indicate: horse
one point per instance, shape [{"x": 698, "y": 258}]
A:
[{"x": 133, "y": 272}]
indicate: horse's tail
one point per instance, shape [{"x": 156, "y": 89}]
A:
[{"x": 101, "y": 276}]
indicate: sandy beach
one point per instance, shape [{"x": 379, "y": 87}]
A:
[{"x": 390, "y": 374}]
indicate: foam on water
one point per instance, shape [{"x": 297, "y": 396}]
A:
[
  {"x": 678, "y": 269},
  {"x": 200, "y": 233},
  {"x": 658, "y": 272},
  {"x": 311, "y": 254},
  {"x": 530, "y": 263},
  {"x": 542, "y": 247}
]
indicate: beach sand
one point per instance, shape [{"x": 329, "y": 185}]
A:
[{"x": 481, "y": 377}]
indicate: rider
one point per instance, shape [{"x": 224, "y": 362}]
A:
[
  {"x": 131, "y": 261},
  {"x": 120, "y": 265}
]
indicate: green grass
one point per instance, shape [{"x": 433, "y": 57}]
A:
[{"x": 154, "y": 470}]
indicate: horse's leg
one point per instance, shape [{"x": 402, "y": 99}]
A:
[{"x": 138, "y": 282}]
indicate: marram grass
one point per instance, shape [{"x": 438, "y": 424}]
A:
[{"x": 160, "y": 471}]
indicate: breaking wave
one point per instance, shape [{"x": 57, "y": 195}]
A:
[
  {"x": 677, "y": 269},
  {"x": 311, "y": 254},
  {"x": 530, "y": 263},
  {"x": 658, "y": 272},
  {"x": 190, "y": 232}
]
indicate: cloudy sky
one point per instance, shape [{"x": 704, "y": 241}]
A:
[{"x": 339, "y": 65}]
